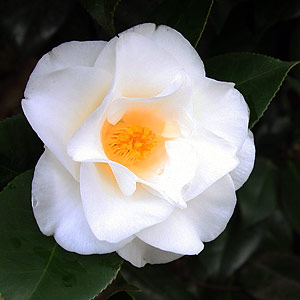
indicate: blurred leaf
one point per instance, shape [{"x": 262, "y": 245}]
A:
[
  {"x": 30, "y": 24},
  {"x": 220, "y": 13},
  {"x": 221, "y": 291},
  {"x": 103, "y": 12},
  {"x": 273, "y": 276},
  {"x": 33, "y": 266},
  {"x": 270, "y": 12},
  {"x": 290, "y": 196},
  {"x": 156, "y": 283},
  {"x": 278, "y": 235},
  {"x": 257, "y": 198},
  {"x": 189, "y": 17},
  {"x": 223, "y": 256},
  {"x": 294, "y": 45},
  {"x": 247, "y": 25},
  {"x": 20, "y": 148},
  {"x": 257, "y": 77}
]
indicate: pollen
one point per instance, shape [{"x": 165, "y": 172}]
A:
[
  {"x": 128, "y": 144},
  {"x": 136, "y": 141}
]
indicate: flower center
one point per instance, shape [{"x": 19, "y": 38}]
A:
[
  {"x": 136, "y": 141},
  {"x": 128, "y": 144}
]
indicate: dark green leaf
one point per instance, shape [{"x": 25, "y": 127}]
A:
[
  {"x": 103, "y": 12},
  {"x": 20, "y": 148},
  {"x": 257, "y": 198},
  {"x": 189, "y": 17},
  {"x": 273, "y": 276},
  {"x": 118, "y": 287},
  {"x": 257, "y": 77},
  {"x": 33, "y": 266},
  {"x": 290, "y": 196}
]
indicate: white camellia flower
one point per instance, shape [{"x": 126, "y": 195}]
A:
[{"x": 143, "y": 153}]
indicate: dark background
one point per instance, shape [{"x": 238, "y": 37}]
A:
[{"x": 257, "y": 257}]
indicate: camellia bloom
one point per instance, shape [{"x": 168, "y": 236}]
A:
[{"x": 143, "y": 153}]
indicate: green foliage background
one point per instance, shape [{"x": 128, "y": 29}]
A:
[{"x": 254, "y": 43}]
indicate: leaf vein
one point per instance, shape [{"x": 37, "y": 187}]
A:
[{"x": 44, "y": 272}]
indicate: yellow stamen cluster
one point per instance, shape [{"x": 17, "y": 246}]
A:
[{"x": 128, "y": 144}]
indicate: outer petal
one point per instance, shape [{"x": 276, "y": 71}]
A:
[
  {"x": 58, "y": 209},
  {"x": 139, "y": 253},
  {"x": 203, "y": 220},
  {"x": 66, "y": 55},
  {"x": 111, "y": 215},
  {"x": 246, "y": 157},
  {"x": 220, "y": 108},
  {"x": 174, "y": 43},
  {"x": 56, "y": 105}
]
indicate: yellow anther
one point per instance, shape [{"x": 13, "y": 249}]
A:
[{"x": 128, "y": 144}]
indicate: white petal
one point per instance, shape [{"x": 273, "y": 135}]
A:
[
  {"x": 106, "y": 59},
  {"x": 216, "y": 158},
  {"x": 203, "y": 220},
  {"x": 125, "y": 178},
  {"x": 112, "y": 216},
  {"x": 139, "y": 253},
  {"x": 70, "y": 54},
  {"x": 85, "y": 144},
  {"x": 174, "y": 43},
  {"x": 56, "y": 105},
  {"x": 146, "y": 29},
  {"x": 173, "y": 98},
  {"x": 142, "y": 69},
  {"x": 58, "y": 209},
  {"x": 246, "y": 156},
  {"x": 220, "y": 108},
  {"x": 179, "y": 170}
]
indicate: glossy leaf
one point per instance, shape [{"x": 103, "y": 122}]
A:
[
  {"x": 290, "y": 196},
  {"x": 189, "y": 17},
  {"x": 103, "y": 12},
  {"x": 33, "y": 266},
  {"x": 257, "y": 77},
  {"x": 257, "y": 198},
  {"x": 273, "y": 276},
  {"x": 20, "y": 148}
]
